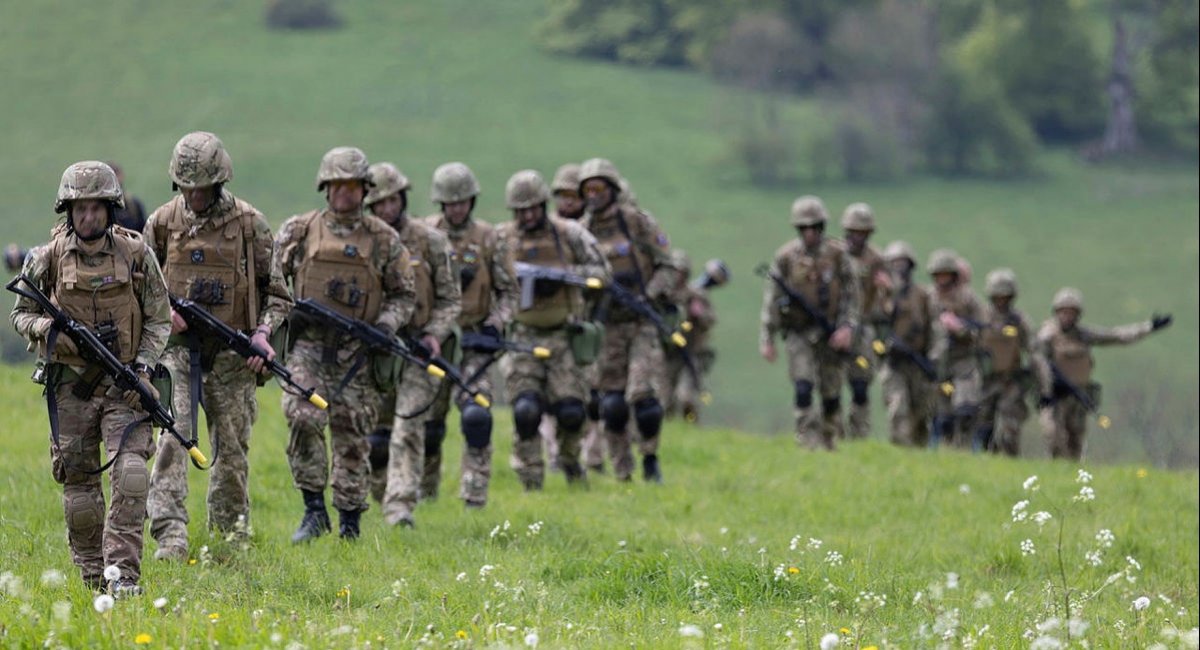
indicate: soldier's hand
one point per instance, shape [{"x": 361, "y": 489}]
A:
[
  {"x": 767, "y": 350},
  {"x": 1045, "y": 401},
  {"x": 434, "y": 345},
  {"x": 259, "y": 341},
  {"x": 695, "y": 308},
  {"x": 951, "y": 322},
  {"x": 133, "y": 399},
  {"x": 883, "y": 280},
  {"x": 490, "y": 331},
  {"x": 178, "y": 324},
  {"x": 1159, "y": 321},
  {"x": 841, "y": 337}
]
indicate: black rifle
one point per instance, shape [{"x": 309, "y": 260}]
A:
[
  {"x": 896, "y": 345},
  {"x": 124, "y": 378},
  {"x": 1062, "y": 383},
  {"x": 791, "y": 296},
  {"x": 488, "y": 344},
  {"x": 215, "y": 329},
  {"x": 373, "y": 338},
  {"x": 530, "y": 274}
]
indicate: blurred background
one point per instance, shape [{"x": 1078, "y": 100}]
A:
[{"x": 1057, "y": 137}]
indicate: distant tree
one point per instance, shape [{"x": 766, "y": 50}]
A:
[
  {"x": 1168, "y": 81},
  {"x": 302, "y": 14}
]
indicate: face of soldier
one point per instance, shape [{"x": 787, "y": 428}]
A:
[
  {"x": 856, "y": 240},
  {"x": 199, "y": 199},
  {"x": 568, "y": 204},
  {"x": 811, "y": 235},
  {"x": 1068, "y": 318},
  {"x": 458, "y": 212},
  {"x": 1002, "y": 303},
  {"x": 89, "y": 218},
  {"x": 530, "y": 218},
  {"x": 598, "y": 194},
  {"x": 945, "y": 281},
  {"x": 390, "y": 208},
  {"x": 901, "y": 268},
  {"x": 345, "y": 195}
]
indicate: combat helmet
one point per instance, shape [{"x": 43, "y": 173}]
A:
[
  {"x": 599, "y": 168},
  {"x": 566, "y": 178},
  {"x": 900, "y": 250},
  {"x": 387, "y": 180},
  {"x": 858, "y": 216},
  {"x": 1001, "y": 282},
  {"x": 343, "y": 164},
  {"x": 1068, "y": 298},
  {"x": 526, "y": 189},
  {"x": 716, "y": 273},
  {"x": 454, "y": 182},
  {"x": 88, "y": 179},
  {"x": 809, "y": 210},
  {"x": 199, "y": 160},
  {"x": 943, "y": 260}
]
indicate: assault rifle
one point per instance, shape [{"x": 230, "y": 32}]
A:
[
  {"x": 215, "y": 329},
  {"x": 95, "y": 351},
  {"x": 791, "y": 296},
  {"x": 1062, "y": 383},
  {"x": 372, "y": 337},
  {"x": 488, "y": 344},
  {"x": 530, "y": 274},
  {"x": 895, "y": 345}
]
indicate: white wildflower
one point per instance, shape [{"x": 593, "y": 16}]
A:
[
  {"x": 814, "y": 544},
  {"x": 461, "y": 577},
  {"x": 276, "y": 638},
  {"x": 61, "y": 611},
  {"x": 622, "y": 544},
  {"x": 1191, "y": 638},
  {"x": 1030, "y": 484},
  {"x": 1046, "y": 643},
  {"x": 534, "y": 529},
  {"x": 531, "y": 639},
  {"x": 1093, "y": 558},
  {"x": 1133, "y": 564},
  {"x": 724, "y": 530},
  {"x": 718, "y": 627},
  {"x": 103, "y": 603},
  {"x": 1041, "y": 517},
  {"x": 53, "y": 578},
  {"x": 1018, "y": 511},
  {"x": 833, "y": 558},
  {"x": 1140, "y": 603},
  {"x": 964, "y": 489},
  {"x": 112, "y": 572},
  {"x": 691, "y": 631},
  {"x": 1077, "y": 627},
  {"x": 1027, "y": 547},
  {"x": 160, "y": 602},
  {"x": 795, "y": 543},
  {"x": 1083, "y": 477},
  {"x": 1049, "y": 625},
  {"x": 952, "y": 580},
  {"x": 1105, "y": 538},
  {"x": 485, "y": 570},
  {"x": 780, "y": 572},
  {"x": 829, "y": 641},
  {"x": 983, "y": 600},
  {"x": 1086, "y": 493}
]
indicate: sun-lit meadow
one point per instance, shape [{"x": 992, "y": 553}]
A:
[{"x": 751, "y": 543}]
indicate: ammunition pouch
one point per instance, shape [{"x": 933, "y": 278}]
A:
[
  {"x": 585, "y": 339},
  {"x": 207, "y": 291},
  {"x": 161, "y": 380},
  {"x": 466, "y": 275},
  {"x": 386, "y": 371}
]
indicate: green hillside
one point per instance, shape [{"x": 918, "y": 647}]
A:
[
  {"x": 423, "y": 83},
  {"x": 751, "y": 543}
]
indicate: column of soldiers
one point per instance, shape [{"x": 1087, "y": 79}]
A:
[{"x": 954, "y": 370}]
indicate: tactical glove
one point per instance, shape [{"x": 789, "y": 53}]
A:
[
  {"x": 1159, "y": 321},
  {"x": 134, "y": 399},
  {"x": 1045, "y": 401}
]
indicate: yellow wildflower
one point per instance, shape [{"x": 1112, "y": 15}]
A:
[
  {"x": 845, "y": 631},
  {"x": 461, "y": 634},
  {"x": 1142, "y": 473},
  {"x": 214, "y": 616},
  {"x": 793, "y": 570},
  {"x": 142, "y": 639}
]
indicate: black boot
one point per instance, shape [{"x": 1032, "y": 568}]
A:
[
  {"x": 316, "y": 519},
  {"x": 650, "y": 471},
  {"x": 574, "y": 473},
  {"x": 348, "y": 524}
]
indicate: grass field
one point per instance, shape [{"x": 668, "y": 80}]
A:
[
  {"x": 751, "y": 543},
  {"x": 423, "y": 83}
]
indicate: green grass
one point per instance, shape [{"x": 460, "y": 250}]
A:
[
  {"x": 629, "y": 565},
  {"x": 423, "y": 83}
]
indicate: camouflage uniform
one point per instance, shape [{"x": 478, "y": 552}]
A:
[
  {"x": 628, "y": 373},
  {"x": 824, "y": 275},
  {"x": 199, "y": 252},
  {"x": 1006, "y": 337},
  {"x": 399, "y": 460},
  {"x": 906, "y": 389},
  {"x": 113, "y": 281},
  {"x": 868, "y": 264},
  {"x": 956, "y": 355},
  {"x": 354, "y": 264},
  {"x": 1063, "y": 417},
  {"x": 684, "y": 393},
  {"x": 488, "y": 296},
  {"x": 556, "y": 385}
]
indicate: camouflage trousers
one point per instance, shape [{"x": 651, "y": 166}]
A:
[
  {"x": 954, "y": 414},
  {"x": 682, "y": 394},
  {"x": 859, "y": 378},
  {"x": 1064, "y": 424},
  {"x": 230, "y": 409},
  {"x": 99, "y": 539},
  {"x": 1002, "y": 411},
  {"x": 907, "y": 394},
  {"x": 350, "y": 417},
  {"x": 476, "y": 466},
  {"x": 630, "y": 363},
  {"x": 813, "y": 365},
  {"x": 398, "y": 486},
  {"x": 554, "y": 381}
]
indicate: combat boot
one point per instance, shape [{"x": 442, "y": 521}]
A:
[
  {"x": 575, "y": 474},
  {"x": 650, "y": 471},
  {"x": 348, "y": 524},
  {"x": 316, "y": 519},
  {"x": 124, "y": 588}
]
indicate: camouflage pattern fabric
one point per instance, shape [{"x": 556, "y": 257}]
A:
[
  {"x": 406, "y": 452},
  {"x": 476, "y": 467},
  {"x": 811, "y": 359},
  {"x": 631, "y": 359},
  {"x": 555, "y": 379},
  {"x": 907, "y": 394},
  {"x": 1003, "y": 410}
]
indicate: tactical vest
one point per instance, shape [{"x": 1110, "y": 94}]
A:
[
  {"x": 865, "y": 267},
  {"x": 99, "y": 291},
  {"x": 553, "y": 302},
  {"x": 910, "y": 321},
  {"x": 631, "y": 267},
  {"x": 817, "y": 279},
  {"x": 957, "y": 303},
  {"x": 211, "y": 264},
  {"x": 416, "y": 239},
  {"x": 339, "y": 272},
  {"x": 472, "y": 253},
  {"x": 1003, "y": 350},
  {"x": 1072, "y": 355}
]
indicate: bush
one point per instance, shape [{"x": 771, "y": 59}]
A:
[
  {"x": 974, "y": 129},
  {"x": 302, "y": 15}
]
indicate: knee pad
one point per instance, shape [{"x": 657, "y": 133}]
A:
[
  {"x": 831, "y": 405},
  {"x": 379, "y": 439},
  {"x": 615, "y": 411},
  {"x": 83, "y": 514},
  {"x": 593, "y": 406},
  {"x": 804, "y": 396},
  {"x": 435, "y": 433},
  {"x": 858, "y": 391},
  {"x": 570, "y": 414},
  {"x": 527, "y": 415},
  {"x": 649, "y": 415},
  {"x": 133, "y": 480},
  {"x": 476, "y": 423}
]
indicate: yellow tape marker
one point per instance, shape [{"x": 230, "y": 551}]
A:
[
  {"x": 483, "y": 401},
  {"x": 435, "y": 371},
  {"x": 947, "y": 388},
  {"x": 594, "y": 283},
  {"x": 318, "y": 401},
  {"x": 878, "y": 346},
  {"x": 678, "y": 340},
  {"x": 1104, "y": 421},
  {"x": 198, "y": 456}
]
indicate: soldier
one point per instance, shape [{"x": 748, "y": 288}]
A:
[
  {"x": 1064, "y": 348},
  {"x": 684, "y": 393},
  {"x": 628, "y": 374},
  {"x": 820, "y": 270},
  {"x": 556, "y": 385},
  {"x": 1006, "y": 336},
  {"x": 488, "y": 296},
  {"x": 216, "y": 250},
  {"x": 105, "y": 277},
  {"x": 399, "y": 460},
  {"x": 858, "y": 224},
  {"x": 14, "y": 257},
  {"x": 356, "y": 265},
  {"x": 565, "y": 186},
  {"x": 907, "y": 336},
  {"x": 955, "y": 349},
  {"x": 133, "y": 215}
]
